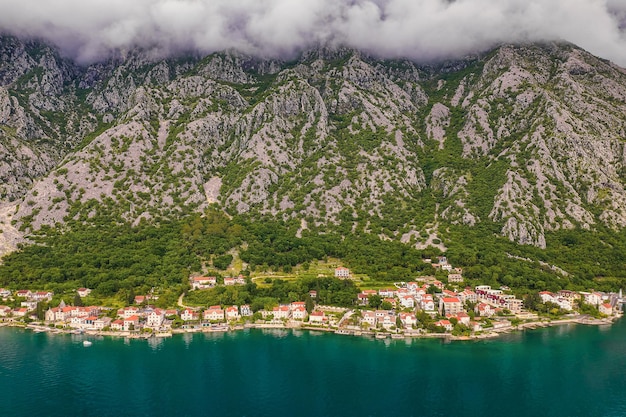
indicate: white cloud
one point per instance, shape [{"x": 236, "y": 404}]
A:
[{"x": 419, "y": 29}]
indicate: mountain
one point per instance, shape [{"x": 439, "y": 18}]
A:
[{"x": 523, "y": 141}]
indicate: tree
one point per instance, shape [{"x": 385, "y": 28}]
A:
[
  {"x": 78, "y": 302},
  {"x": 375, "y": 301},
  {"x": 41, "y": 312},
  {"x": 131, "y": 297},
  {"x": 309, "y": 304},
  {"x": 386, "y": 305}
]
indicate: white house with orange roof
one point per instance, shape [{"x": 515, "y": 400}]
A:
[
  {"x": 342, "y": 272},
  {"x": 131, "y": 323},
  {"x": 605, "y": 308},
  {"x": 155, "y": 318},
  {"x": 127, "y": 312},
  {"x": 102, "y": 322},
  {"x": 281, "y": 312},
  {"x": 299, "y": 313},
  {"x": 83, "y": 292},
  {"x": 201, "y": 283},
  {"x": 189, "y": 315},
  {"x": 232, "y": 313},
  {"x": 461, "y": 317},
  {"x": 369, "y": 317},
  {"x": 484, "y": 310},
  {"x": 407, "y": 301},
  {"x": 468, "y": 295},
  {"x": 5, "y": 311},
  {"x": 445, "y": 324},
  {"x": 214, "y": 313},
  {"x": 427, "y": 303},
  {"x": 450, "y": 305},
  {"x": 117, "y": 325},
  {"x": 42, "y": 296},
  {"x": 387, "y": 292},
  {"x": 23, "y": 293},
  {"x": 408, "y": 319},
  {"x": 317, "y": 317}
]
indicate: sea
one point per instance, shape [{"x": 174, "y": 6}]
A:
[{"x": 568, "y": 370}]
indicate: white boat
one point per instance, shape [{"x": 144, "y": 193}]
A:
[{"x": 87, "y": 343}]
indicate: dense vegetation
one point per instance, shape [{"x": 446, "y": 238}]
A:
[{"x": 117, "y": 260}]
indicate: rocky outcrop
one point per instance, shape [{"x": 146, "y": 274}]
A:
[{"x": 529, "y": 138}]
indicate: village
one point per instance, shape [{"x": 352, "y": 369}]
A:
[{"x": 425, "y": 307}]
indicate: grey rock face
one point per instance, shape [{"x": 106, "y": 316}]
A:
[{"x": 529, "y": 137}]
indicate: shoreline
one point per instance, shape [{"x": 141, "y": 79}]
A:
[{"x": 486, "y": 334}]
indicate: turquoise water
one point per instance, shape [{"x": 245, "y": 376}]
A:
[{"x": 562, "y": 371}]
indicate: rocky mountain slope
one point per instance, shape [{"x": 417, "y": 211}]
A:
[{"x": 527, "y": 139}]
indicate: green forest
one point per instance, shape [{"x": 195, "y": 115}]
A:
[{"x": 117, "y": 260}]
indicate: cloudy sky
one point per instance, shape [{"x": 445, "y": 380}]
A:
[{"x": 89, "y": 30}]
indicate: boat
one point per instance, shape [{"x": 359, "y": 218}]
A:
[{"x": 87, "y": 343}]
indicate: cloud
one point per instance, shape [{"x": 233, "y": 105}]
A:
[{"x": 89, "y": 30}]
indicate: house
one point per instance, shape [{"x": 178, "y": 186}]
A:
[
  {"x": 20, "y": 312},
  {"x": 200, "y": 283},
  {"x": 42, "y": 296},
  {"x": 408, "y": 319},
  {"x": 570, "y": 296},
  {"x": 189, "y": 315},
  {"x": 605, "y": 308},
  {"x": 131, "y": 323},
  {"x": 363, "y": 296},
  {"x": 30, "y": 305},
  {"x": 450, "y": 305},
  {"x": 313, "y": 294},
  {"x": 117, "y": 325},
  {"x": 281, "y": 312},
  {"x": 407, "y": 301},
  {"x": 5, "y": 311},
  {"x": 484, "y": 310},
  {"x": 4, "y": 293},
  {"x": 127, "y": 312},
  {"x": 445, "y": 324},
  {"x": 317, "y": 317},
  {"x": 155, "y": 318},
  {"x": 387, "y": 292},
  {"x": 387, "y": 321},
  {"x": 23, "y": 293},
  {"x": 240, "y": 280},
  {"x": 297, "y": 304},
  {"x": 342, "y": 272},
  {"x": 299, "y": 313},
  {"x": 83, "y": 292},
  {"x": 468, "y": 295},
  {"x": 461, "y": 317},
  {"x": 171, "y": 312},
  {"x": 140, "y": 299},
  {"x": 475, "y": 326},
  {"x": 438, "y": 284},
  {"x": 214, "y": 313},
  {"x": 245, "y": 310},
  {"x": 369, "y": 317},
  {"x": 101, "y": 323},
  {"x": 232, "y": 313},
  {"x": 501, "y": 324},
  {"x": 593, "y": 298},
  {"x": 427, "y": 303},
  {"x": 514, "y": 305},
  {"x": 455, "y": 278},
  {"x": 546, "y": 297}
]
